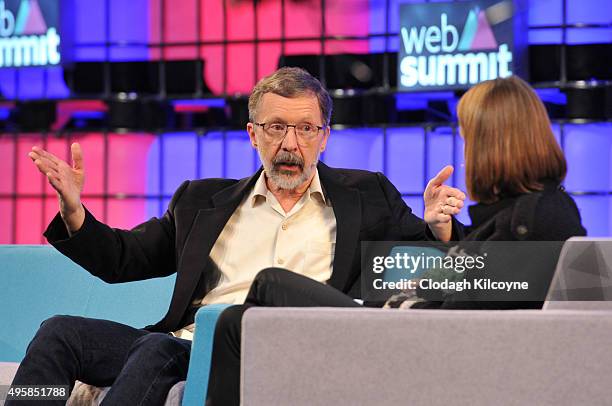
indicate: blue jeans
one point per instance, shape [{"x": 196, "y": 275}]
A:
[{"x": 141, "y": 366}]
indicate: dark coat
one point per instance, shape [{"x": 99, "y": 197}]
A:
[
  {"x": 548, "y": 215},
  {"x": 366, "y": 206}
]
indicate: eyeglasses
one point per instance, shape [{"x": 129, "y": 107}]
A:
[{"x": 305, "y": 132}]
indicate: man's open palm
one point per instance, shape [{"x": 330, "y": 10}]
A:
[{"x": 67, "y": 180}]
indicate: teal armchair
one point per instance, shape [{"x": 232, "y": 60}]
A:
[{"x": 37, "y": 282}]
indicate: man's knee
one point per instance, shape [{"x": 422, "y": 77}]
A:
[
  {"x": 266, "y": 282},
  {"x": 56, "y": 326},
  {"x": 158, "y": 344},
  {"x": 272, "y": 275},
  {"x": 54, "y": 333}
]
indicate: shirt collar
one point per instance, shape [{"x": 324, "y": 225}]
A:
[
  {"x": 260, "y": 190},
  {"x": 315, "y": 190}
]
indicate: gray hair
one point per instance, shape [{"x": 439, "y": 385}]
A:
[{"x": 291, "y": 82}]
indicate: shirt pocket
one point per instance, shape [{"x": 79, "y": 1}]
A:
[{"x": 318, "y": 260}]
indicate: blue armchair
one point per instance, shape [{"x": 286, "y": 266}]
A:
[{"x": 39, "y": 282}]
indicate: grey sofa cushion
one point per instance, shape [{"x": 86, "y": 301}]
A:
[{"x": 425, "y": 357}]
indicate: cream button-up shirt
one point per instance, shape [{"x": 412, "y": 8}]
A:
[{"x": 259, "y": 234}]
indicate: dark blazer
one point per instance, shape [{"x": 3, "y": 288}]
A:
[
  {"x": 366, "y": 205},
  {"x": 547, "y": 215}
]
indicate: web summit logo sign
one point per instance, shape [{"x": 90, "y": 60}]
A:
[
  {"x": 26, "y": 37},
  {"x": 454, "y": 45}
]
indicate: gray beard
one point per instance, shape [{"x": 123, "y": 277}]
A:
[{"x": 285, "y": 180}]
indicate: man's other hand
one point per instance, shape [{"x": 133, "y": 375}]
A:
[
  {"x": 441, "y": 203},
  {"x": 67, "y": 181}
]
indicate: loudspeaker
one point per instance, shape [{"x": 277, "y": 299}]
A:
[
  {"x": 347, "y": 110},
  {"x": 139, "y": 114},
  {"x": 34, "y": 115},
  {"x": 378, "y": 109},
  {"x": 310, "y": 63},
  {"x": 544, "y": 63},
  {"x": 361, "y": 109},
  {"x": 212, "y": 117},
  {"x": 589, "y": 61},
  {"x": 182, "y": 77},
  {"x": 84, "y": 77},
  {"x": 608, "y": 91},
  {"x": 348, "y": 71},
  {"x": 589, "y": 103},
  {"x": 583, "y": 62},
  {"x": 238, "y": 111},
  {"x": 138, "y": 77},
  {"x": 185, "y": 77}
]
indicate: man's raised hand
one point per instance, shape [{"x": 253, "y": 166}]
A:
[
  {"x": 67, "y": 181},
  {"x": 441, "y": 203}
]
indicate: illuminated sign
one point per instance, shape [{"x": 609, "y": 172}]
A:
[
  {"x": 29, "y": 33},
  {"x": 455, "y": 45}
]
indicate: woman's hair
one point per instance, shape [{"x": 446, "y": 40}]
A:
[{"x": 509, "y": 144}]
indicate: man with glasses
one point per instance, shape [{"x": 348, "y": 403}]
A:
[{"x": 217, "y": 234}]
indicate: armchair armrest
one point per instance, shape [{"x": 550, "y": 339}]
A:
[{"x": 196, "y": 387}]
